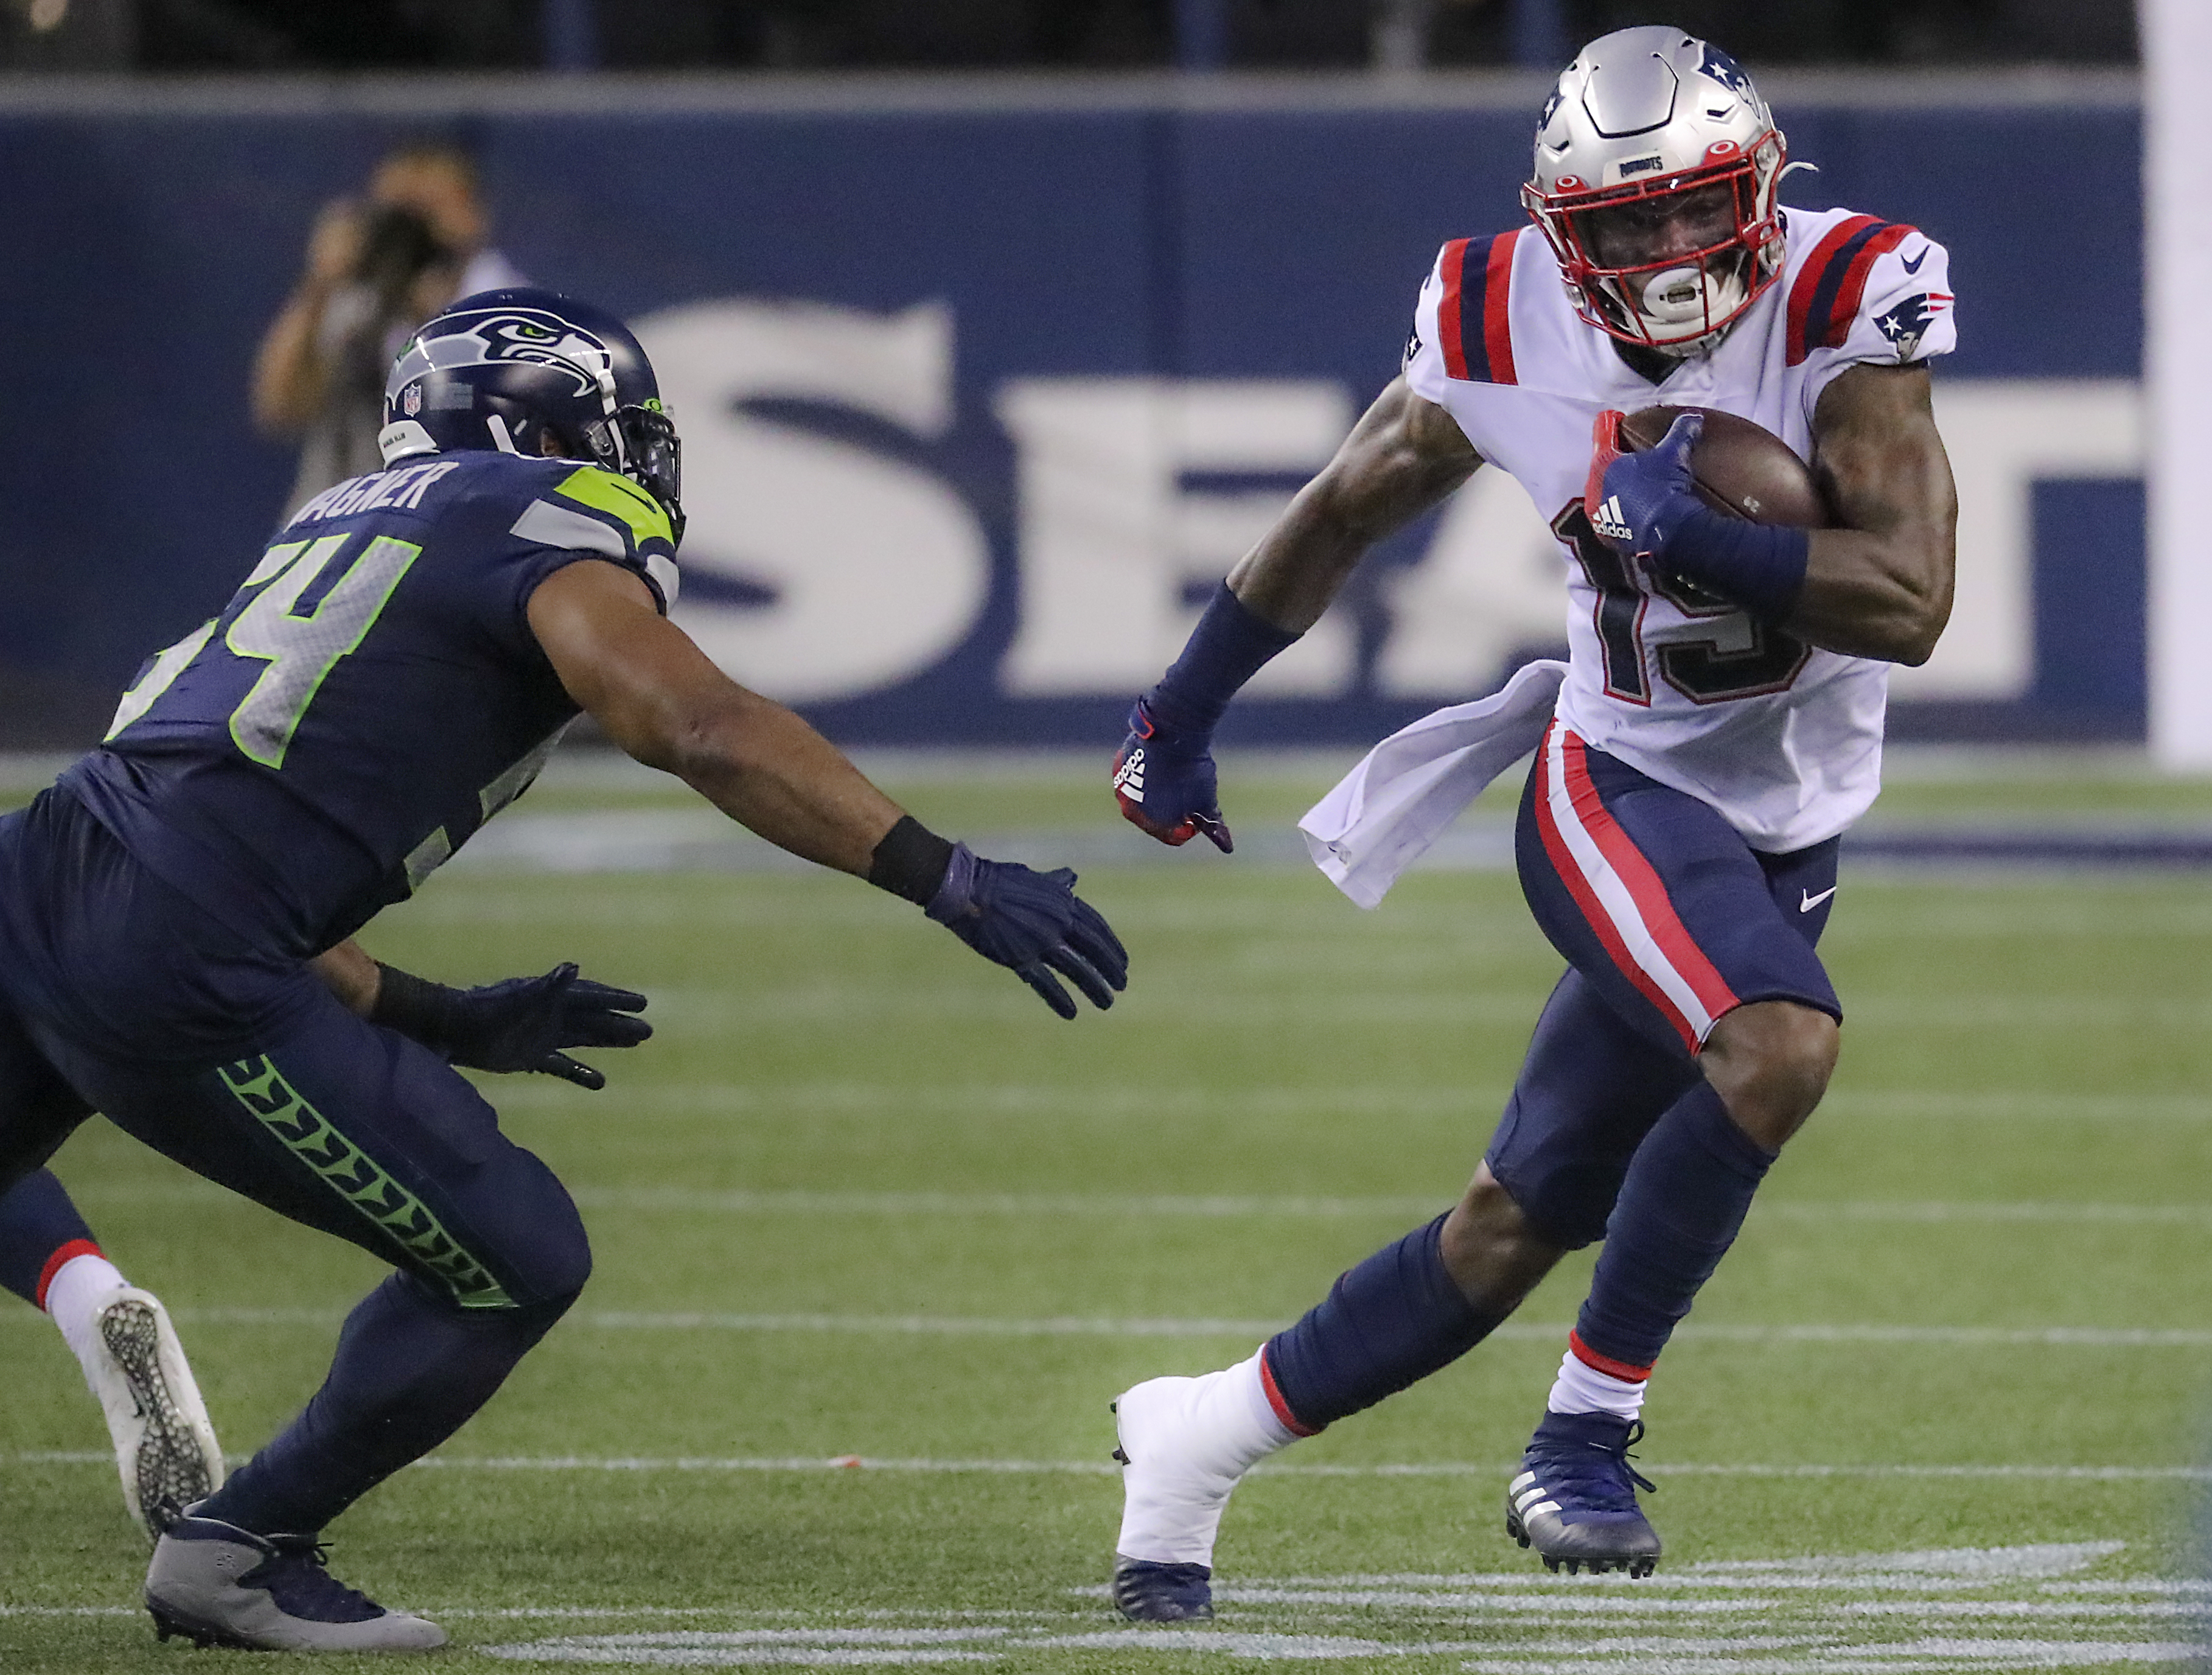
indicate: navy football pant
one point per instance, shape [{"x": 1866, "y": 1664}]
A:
[
  {"x": 350, "y": 1128},
  {"x": 311, "y": 1112},
  {"x": 1669, "y": 921}
]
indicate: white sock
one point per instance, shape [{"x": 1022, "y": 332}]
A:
[
  {"x": 1188, "y": 1442},
  {"x": 1581, "y": 1388},
  {"x": 80, "y": 1288}
]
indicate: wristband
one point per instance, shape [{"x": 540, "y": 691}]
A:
[
  {"x": 911, "y": 861},
  {"x": 1226, "y": 649},
  {"x": 1759, "y": 566},
  {"x": 416, "y": 1006}
]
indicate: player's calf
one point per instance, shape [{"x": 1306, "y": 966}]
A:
[{"x": 215, "y": 1584}]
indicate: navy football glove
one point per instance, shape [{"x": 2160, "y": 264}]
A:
[
  {"x": 521, "y": 1024},
  {"x": 1034, "y": 924},
  {"x": 1637, "y": 502},
  {"x": 1165, "y": 783},
  {"x": 1646, "y": 506}
]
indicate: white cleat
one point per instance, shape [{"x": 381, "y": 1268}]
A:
[
  {"x": 1185, "y": 1444},
  {"x": 165, "y": 1448}
]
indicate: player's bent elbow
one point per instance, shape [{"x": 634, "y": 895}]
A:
[{"x": 1920, "y": 631}]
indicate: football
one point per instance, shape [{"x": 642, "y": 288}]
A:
[{"x": 1742, "y": 468}]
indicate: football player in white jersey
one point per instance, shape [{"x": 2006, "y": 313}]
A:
[{"x": 1719, "y": 725}]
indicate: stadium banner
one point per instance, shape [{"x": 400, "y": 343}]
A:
[{"x": 982, "y": 392}]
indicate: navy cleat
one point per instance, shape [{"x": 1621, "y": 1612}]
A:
[
  {"x": 1144, "y": 1591},
  {"x": 1575, "y": 1499},
  {"x": 217, "y": 1585}
]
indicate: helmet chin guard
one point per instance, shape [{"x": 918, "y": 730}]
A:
[{"x": 1641, "y": 119}]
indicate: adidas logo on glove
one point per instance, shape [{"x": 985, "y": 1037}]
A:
[
  {"x": 1129, "y": 777},
  {"x": 1609, "y": 523}
]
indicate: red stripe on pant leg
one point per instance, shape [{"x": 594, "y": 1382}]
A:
[
  {"x": 1605, "y": 1364},
  {"x": 63, "y": 1253},
  {"x": 1496, "y": 326},
  {"x": 1448, "y": 310},
  {"x": 1645, "y": 889},
  {"x": 1593, "y": 911},
  {"x": 1291, "y": 1422}
]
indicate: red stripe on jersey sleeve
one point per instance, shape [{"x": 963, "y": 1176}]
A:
[
  {"x": 1853, "y": 288},
  {"x": 1808, "y": 278},
  {"x": 1497, "y": 328},
  {"x": 1447, "y": 311}
]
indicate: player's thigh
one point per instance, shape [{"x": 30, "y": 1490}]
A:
[
  {"x": 38, "y": 1109},
  {"x": 348, "y": 1128},
  {"x": 1654, "y": 898},
  {"x": 1588, "y": 1091}
]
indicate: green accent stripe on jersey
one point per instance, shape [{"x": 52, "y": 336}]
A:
[
  {"x": 256, "y": 1084},
  {"x": 605, "y": 492}
]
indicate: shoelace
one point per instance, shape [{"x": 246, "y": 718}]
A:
[
  {"x": 308, "y": 1562},
  {"x": 1593, "y": 1474}
]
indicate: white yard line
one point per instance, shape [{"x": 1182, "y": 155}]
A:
[
  {"x": 1222, "y": 1206},
  {"x": 1019, "y": 1468},
  {"x": 1523, "y": 1332}
]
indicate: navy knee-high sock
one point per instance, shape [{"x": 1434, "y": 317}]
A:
[
  {"x": 38, "y": 1226},
  {"x": 410, "y": 1369},
  {"x": 1686, "y": 1194},
  {"x": 1392, "y": 1321}
]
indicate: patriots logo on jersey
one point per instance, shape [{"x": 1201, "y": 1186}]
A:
[{"x": 1906, "y": 324}]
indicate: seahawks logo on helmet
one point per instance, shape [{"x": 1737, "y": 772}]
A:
[
  {"x": 504, "y": 336},
  {"x": 527, "y": 372}
]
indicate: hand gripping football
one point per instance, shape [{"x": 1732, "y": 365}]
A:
[{"x": 1741, "y": 469}]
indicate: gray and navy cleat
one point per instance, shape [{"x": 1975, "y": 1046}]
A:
[
  {"x": 217, "y": 1585},
  {"x": 164, "y": 1446},
  {"x": 1575, "y": 1498},
  {"x": 1144, "y": 1591}
]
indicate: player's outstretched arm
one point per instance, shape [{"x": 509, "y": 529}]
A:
[
  {"x": 664, "y": 702},
  {"x": 1880, "y": 586},
  {"x": 1403, "y": 457},
  {"x": 521, "y": 1024}
]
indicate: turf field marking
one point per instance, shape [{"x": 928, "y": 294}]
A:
[
  {"x": 1513, "y": 1331},
  {"x": 1100, "y": 1468},
  {"x": 1221, "y": 1206}
]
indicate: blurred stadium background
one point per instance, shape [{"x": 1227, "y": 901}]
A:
[{"x": 996, "y": 329}]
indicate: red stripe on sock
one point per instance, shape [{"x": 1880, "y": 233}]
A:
[
  {"x": 1291, "y": 1422},
  {"x": 68, "y": 1252},
  {"x": 1605, "y": 1364}
]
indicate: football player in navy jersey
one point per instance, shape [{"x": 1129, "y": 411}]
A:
[{"x": 176, "y": 913}]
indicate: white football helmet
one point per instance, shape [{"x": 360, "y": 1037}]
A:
[{"x": 1657, "y": 165}]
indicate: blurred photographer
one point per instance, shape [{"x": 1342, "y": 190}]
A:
[{"x": 377, "y": 267}]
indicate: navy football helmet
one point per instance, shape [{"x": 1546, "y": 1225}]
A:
[{"x": 529, "y": 372}]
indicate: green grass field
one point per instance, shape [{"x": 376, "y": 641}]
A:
[{"x": 878, "y": 1238}]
